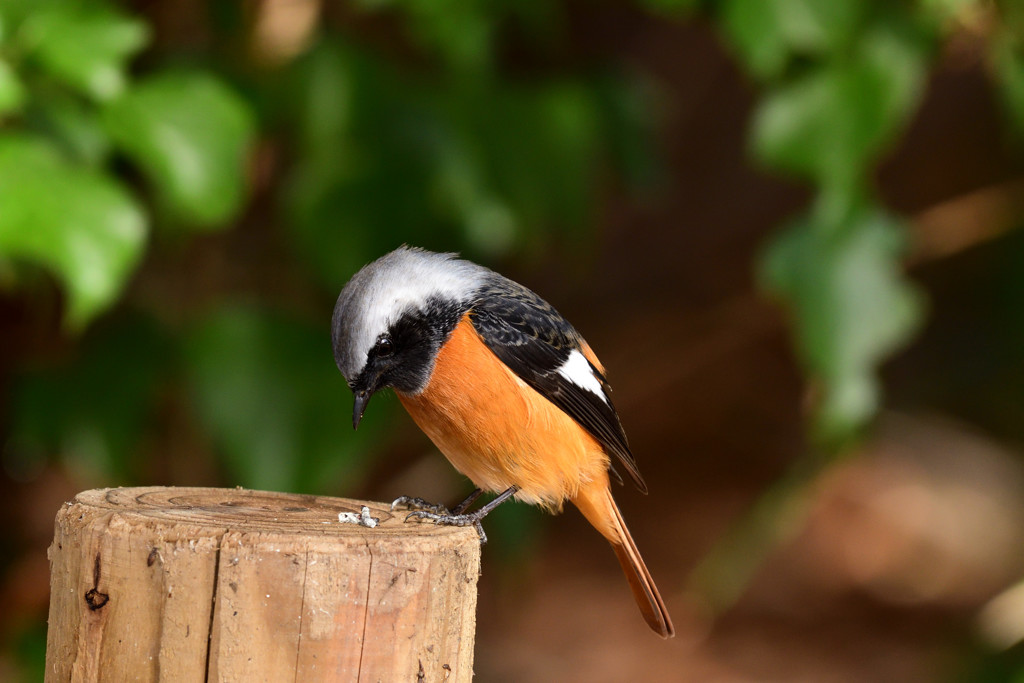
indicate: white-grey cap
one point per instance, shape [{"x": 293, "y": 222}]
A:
[{"x": 382, "y": 291}]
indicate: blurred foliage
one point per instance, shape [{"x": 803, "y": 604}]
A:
[
  {"x": 116, "y": 147},
  {"x": 840, "y": 80},
  {"x": 70, "y": 110},
  {"x": 247, "y": 368},
  {"x": 987, "y": 666},
  {"x": 851, "y": 308},
  {"x": 71, "y": 218},
  {"x": 190, "y": 135},
  {"x": 1008, "y": 57},
  {"x": 480, "y": 164},
  {"x": 93, "y": 421}
]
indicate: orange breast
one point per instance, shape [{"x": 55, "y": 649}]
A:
[{"x": 499, "y": 431}]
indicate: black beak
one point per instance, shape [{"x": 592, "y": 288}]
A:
[{"x": 362, "y": 400}]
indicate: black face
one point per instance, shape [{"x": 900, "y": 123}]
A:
[{"x": 403, "y": 357}]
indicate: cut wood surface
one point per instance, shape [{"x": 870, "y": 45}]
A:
[{"x": 194, "y": 584}]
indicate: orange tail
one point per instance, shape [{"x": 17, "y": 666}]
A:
[{"x": 598, "y": 506}]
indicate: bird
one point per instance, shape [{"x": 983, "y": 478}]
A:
[{"x": 503, "y": 385}]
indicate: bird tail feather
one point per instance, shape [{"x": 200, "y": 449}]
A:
[{"x": 598, "y": 506}]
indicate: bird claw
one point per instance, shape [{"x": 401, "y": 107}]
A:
[
  {"x": 448, "y": 519},
  {"x": 419, "y": 505}
]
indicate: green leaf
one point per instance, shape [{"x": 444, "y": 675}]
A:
[
  {"x": 87, "y": 45},
  {"x": 768, "y": 33},
  {"x": 76, "y": 125},
  {"x": 851, "y": 307},
  {"x": 267, "y": 390},
  {"x": 79, "y": 223},
  {"x": 12, "y": 92},
  {"x": 830, "y": 123},
  {"x": 191, "y": 135}
]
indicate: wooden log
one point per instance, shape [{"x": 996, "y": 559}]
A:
[{"x": 192, "y": 584}]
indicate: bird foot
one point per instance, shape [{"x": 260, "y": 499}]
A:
[
  {"x": 447, "y": 519},
  {"x": 439, "y": 514}
]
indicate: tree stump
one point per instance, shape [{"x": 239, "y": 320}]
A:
[{"x": 193, "y": 584}]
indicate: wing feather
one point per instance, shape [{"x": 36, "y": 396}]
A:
[{"x": 534, "y": 341}]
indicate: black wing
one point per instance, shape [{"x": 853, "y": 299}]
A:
[{"x": 534, "y": 341}]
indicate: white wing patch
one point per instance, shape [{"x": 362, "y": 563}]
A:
[{"x": 577, "y": 370}]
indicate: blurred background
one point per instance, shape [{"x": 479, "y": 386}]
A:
[{"x": 788, "y": 227}]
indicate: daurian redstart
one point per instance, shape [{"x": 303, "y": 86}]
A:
[{"x": 504, "y": 386}]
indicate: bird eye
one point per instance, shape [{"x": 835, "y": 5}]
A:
[{"x": 384, "y": 347}]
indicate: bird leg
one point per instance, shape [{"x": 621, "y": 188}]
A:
[
  {"x": 458, "y": 518},
  {"x": 461, "y": 507}
]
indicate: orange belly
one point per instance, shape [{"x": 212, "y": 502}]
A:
[{"x": 499, "y": 431}]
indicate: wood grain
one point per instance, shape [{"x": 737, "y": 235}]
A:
[{"x": 191, "y": 584}]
